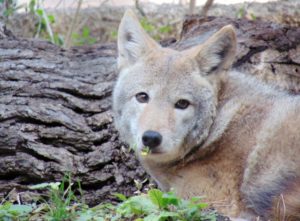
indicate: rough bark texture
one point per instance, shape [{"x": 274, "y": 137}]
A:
[
  {"x": 55, "y": 116},
  {"x": 55, "y": 105}
]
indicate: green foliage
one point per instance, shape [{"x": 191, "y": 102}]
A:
[
  {"x": 114, "y": 34},
  {"x": 8, "y": 211},
  {"x": 147, "y": 25},
  {"x": 44, "y": 22},
  {"x": 156, "y": 32},
  {"x": 60, "y": 203},
  {"x": 165, "y": 29},
  {"x": 159, "y": 206},
  {"x": 9, "y": 7},
  {"x": 83, "y": 38},
  {"x": 63, "y": 205},
  {"x": 145, "y": 151},
  {"x": 120, "y": 196},
  {"x": 243, "y": 13}
]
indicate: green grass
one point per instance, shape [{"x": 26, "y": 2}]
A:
[{"x": 61, "y": 204}]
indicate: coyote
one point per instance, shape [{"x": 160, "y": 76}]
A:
[{"x": 210, "y": 131}]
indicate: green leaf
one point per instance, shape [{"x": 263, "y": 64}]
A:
[
  {"x": 165, "y": 29},
  {"x": 253, "y": 17},
  {"x": 51, "y": 19},
  {"x": 40, "y": 12},
  {"x": 120, "y": 196},
  {"x": 103, "y": 206},
  {"x": 170, "y": 199},
  {"x": 161, "y": 216},
  {"x": 136, "y": 205},
  {"x": 58, "y": 39},
  {"x": 114, "y": 34},
  {"x": 147, "y": 25},
  {"x": 15, "y": 211},
  {"x": 89, "y": 216},
  {"x": 86, "y": 32},
  {"x": 20, "y": 209},
  {"x": 5, "y": 206},
  {"x": 156, "y": 196}
]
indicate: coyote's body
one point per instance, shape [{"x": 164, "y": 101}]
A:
[{"x": 211, "y": 132}]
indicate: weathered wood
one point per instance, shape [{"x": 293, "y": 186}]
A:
[
  {"x": 55, "y": 117},
  {"x": 55, "y": 105}
]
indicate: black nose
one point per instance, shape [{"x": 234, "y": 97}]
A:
[{"x": 151, "y": 139}]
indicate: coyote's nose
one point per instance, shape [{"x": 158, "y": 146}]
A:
[{"x": 151, "y": 139}]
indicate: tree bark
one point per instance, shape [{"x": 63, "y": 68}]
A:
[
  {"x": 55, "y": 116},
  {"x": 55, "y": 104}
]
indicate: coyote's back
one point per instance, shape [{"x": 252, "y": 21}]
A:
[{"x": 209, "y": 131}]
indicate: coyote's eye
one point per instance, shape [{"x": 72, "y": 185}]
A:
[
  {"x": 182, "y": 104},
  {"x": 142, "y": 97}
]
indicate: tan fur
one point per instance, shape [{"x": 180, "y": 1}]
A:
[{"x": 238, "y": 141}]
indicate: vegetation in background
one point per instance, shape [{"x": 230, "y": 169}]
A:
[
  {"x": 44, "y": 23},
  {"x": 83, "y": 38},
  {"x": 154, "y": 31},
  {"x": 9, "y": 7},
  {"x": 61, "y": 204},
  {"x": 243, "y": 13}
]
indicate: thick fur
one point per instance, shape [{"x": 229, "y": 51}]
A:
[{"x": 237, "y": 143}]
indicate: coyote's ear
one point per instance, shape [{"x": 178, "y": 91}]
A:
[
  {"x": 217, "y": 53},
  {"x": 133, "y": 41}
]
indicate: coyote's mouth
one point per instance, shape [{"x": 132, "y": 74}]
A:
[
  {"x": 156, "y": 152},
  {"x": 147, "y": 151}
]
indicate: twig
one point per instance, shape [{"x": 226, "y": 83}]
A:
[
  {"x": 206, "y": 7},
  {"x": 73, "y": 23},
  {"x": 58, "y": 4},
  {"x": 104, "y": 2},
  {"x": 139, "y": 8},
  {"x": 192, "y": 7}
]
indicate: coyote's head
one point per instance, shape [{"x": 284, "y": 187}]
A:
[{"x": 164, "y": 99}]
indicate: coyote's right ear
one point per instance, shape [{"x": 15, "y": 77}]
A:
[{"x": 133, "y": 41}]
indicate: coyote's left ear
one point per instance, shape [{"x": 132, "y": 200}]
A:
[
  {"x": 133, "y": 41},
  {"x": 217, "y": 53}
]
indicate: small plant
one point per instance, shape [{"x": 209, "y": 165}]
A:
[
  {"x": 84, "y": 38},
  {"x": 62, "y": 201},
  {"x": 8, "y": 8},
  {"x": 159, "y": 206},
  {"x": 43, "y": 27},
  {"x": 61, "y": 204},
  {"x": 8, "y": 211},
  {"x": 145, "y": 151},
  {"x": 243, "y": 13},
  {"x": 156, "y": 32}
]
